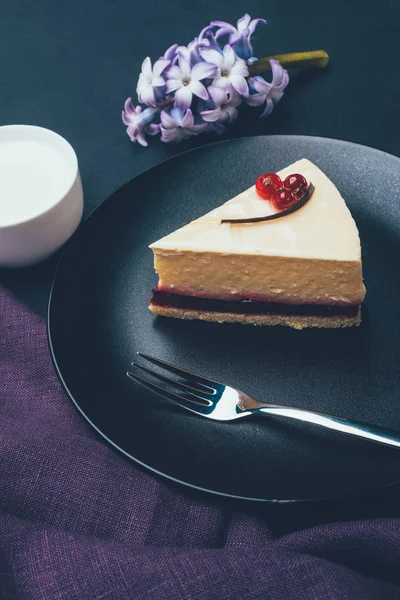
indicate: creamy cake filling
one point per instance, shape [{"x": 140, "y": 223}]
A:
[{"x": 229, "y": 276}]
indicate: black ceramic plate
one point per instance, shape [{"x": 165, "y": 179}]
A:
[{"x": 98, "y": 319}]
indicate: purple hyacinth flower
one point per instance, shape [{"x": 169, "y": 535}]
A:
[
  {"x": 185, "y": 81},
  {"x": 269, "y": 93},
  {"x": 239, "y": 37},
  {"x": 232, "y": 70},
  {"x": 178, "y": 125},
  {"x": 149, "y": 80},
  {"x": 225, "y": 110},
  {"x": 139, "y": 122}
]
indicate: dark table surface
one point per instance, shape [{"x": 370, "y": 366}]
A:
[{"x": 69, "y": 66}]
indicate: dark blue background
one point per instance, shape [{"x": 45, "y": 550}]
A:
[{"x": 69, "y": 66}]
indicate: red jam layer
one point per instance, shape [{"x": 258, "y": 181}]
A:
[{"x": 250, "y": 307}]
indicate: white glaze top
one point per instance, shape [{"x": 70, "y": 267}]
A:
[{"x": 322, "y": 229}]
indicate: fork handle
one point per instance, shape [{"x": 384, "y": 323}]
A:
[{"x": 374, "y": 433}]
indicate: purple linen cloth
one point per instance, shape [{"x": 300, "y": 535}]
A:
[{"x": 77, "y": 520}]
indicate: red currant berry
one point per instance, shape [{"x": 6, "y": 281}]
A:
[
  {"x": 295, "y": 183},
  {"x": 284, "y": 199},
  {"x": 267, "y": 185}
]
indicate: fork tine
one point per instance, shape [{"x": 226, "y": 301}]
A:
[
  {"x": 212, "y": 385},
  {"x": 196, "y": 393},
  {"x": 199, "y": 409}
]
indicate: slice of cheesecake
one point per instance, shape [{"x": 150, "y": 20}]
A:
[{"x": 302, "y": 269}]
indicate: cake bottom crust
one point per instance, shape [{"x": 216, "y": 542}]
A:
[{"x": 294, "y": 321}]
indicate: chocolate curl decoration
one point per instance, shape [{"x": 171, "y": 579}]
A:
[{"x": 278, "y": 215}]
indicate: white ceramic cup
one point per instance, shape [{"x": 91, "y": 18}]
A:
[{"x": 41, "y": 197}]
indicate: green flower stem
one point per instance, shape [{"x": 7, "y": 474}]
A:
[{"x": 316, "y": 58}]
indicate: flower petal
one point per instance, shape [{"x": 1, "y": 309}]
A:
[
  {"x": 159, "y": 66},
  {"x": 184, "y": 66},
  {"x": 240, "y": 84},
  {"x": 130, "y": 109},
  {"x": 133, "y": 133},
  {"x": 232, "y": 113},
  {"x": 243, "y": 48},
  {"x": 195, "y": 56},
  {"x": 210, "y": 116},
  {"x": 229, "y": 57},
  {"x": 204, "y": 70},
  {"x": 173, "y": 84},
  {"x": 170, "y": 53},
  {"x": 146, "y": 67},
  {"x": 146, "y": 117},
  {"x": 218, "y": 95},
  {"x": 285, "y": 80},
  {"x": 167, "y": 121},
  {"x": 183, "y": 97},
  {"x": 147, "y": 95},
  {"x": 157, "y": 81},
  {"x": 192, "y": 44},
  {"x": 210, "y": 40},
  {"x": 280, "y": 77},
  {"x": 188, "y": 119},
  {"x": 196, "y": 129},
  {"x": 212, "y": 56},
  {"x": 183, "y": 51},
  {"x": 125, "y": 118},
  {"x": 142, "y": 140},
  {"x": 235, "y": 38},
  {"x": 198, "y": 89},
  {"x": 225, "y": 31},
  {"x": 275, "y": 95},
  {"x": 171, "y": 135},
  {"x": 142, "y": 83},
  {"x": 243, "y": 22},
  {"x": 178, "y": 115},
  {"x": 253, "y": 24},
  {"x": 259, "y": 84},
  {"x": 268, "y": 109},
  {"x": 153, "y": 129},
  {"x": 240, "y": 68},
  {"x": 173, "y": 72},
  {"x": 222, "y": 24},
  {"x": 221, "y": 82},
  {"x": 204, "y": 31},
  {"x": 255, "y": 99}
]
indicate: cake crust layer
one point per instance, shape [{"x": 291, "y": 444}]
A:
[{"x": 294, "y": 321}]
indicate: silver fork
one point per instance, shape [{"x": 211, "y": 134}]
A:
[{"x": 219, "y": 402}]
